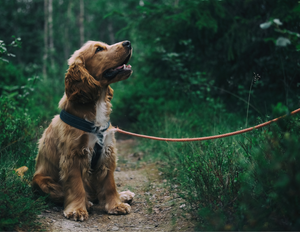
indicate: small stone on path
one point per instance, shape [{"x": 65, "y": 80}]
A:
[{"x": 56, "y": 209}]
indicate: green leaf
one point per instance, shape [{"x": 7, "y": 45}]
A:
[
  {"x": 10, "y": 54},
  {"x": 282, "y": 42},
  {"x": 113, "y": 13},
  {"x": 277, "y": 21},
  {"x": 5, "y": 60},
  {"x": 265, "y": 25}
]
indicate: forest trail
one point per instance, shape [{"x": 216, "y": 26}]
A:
[{"x": 154, "y": 208}]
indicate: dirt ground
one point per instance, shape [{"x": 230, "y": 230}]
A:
[{"x": 153, "y": 207}]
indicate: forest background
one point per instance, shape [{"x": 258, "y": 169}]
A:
[{"x": 200, "y": 68}]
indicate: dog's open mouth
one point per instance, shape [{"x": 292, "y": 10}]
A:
[
  {"x": 113, "y": 72},
  {"x": 124, "y": 67}
]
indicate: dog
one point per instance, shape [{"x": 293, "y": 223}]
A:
[{"x": 66, "y": 167}]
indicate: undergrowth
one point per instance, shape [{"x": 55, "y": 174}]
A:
[
  {"x": 245, "y": 182},
  {"x": 18, "y": 206},
  {"x": 26, "y": 102}
]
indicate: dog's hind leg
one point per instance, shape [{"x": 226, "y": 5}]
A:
[{"x": 49, "y": 186}]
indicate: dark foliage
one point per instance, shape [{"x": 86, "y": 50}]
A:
[{"x": 200, "y": 68}]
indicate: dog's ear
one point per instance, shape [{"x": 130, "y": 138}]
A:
[{"x": 80, "y": 86}]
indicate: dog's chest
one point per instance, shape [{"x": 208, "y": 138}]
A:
[
  {"x": 101, "y": 151},
  {"x": 103, "y": 109},
  {"x": 102, "y": 114}
]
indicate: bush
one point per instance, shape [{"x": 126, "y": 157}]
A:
[
  {"x": 269, "y": 197},
  {"x": 18, "y": 206},
  {"x": 25, "y": 102},
  {"x": 245, "y": 182}
]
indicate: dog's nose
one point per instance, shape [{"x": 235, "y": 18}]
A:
[{"x": 127, "y": 44}]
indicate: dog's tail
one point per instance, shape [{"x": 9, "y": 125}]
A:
[{"x": 20, "y": 171}]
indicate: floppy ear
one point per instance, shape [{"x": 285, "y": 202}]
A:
[{"x": 80, "y": 86}]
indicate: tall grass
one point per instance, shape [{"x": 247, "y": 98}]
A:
[
  {"x": 245, "y": 182},
  {"x": 26, "y": 105}
]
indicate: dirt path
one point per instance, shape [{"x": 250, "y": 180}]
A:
[{"x": 153, "y": 207}]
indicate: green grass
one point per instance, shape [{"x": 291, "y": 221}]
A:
[
  {"x": 26, "y": 110},
  {"x": 18, "y": 205},
  {"x": 245, "y": 182}
]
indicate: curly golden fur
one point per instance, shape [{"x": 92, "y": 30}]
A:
[{"x": 63, "y": 163}]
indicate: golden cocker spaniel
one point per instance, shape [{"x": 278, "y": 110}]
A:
[{"x": 77, "y": 153}]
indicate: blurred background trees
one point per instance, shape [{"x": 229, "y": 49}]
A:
[{"x": 185, "y": 45}]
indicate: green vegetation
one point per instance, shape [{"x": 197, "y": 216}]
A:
[
  {"x": 200, "y": 68},
  {"x": 18, "y": 208},
  {"x": 25, "y": 103},
  {"x": 245, "y": 182}
]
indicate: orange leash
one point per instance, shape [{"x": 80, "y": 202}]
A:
[{"x": 207, "y": 137}]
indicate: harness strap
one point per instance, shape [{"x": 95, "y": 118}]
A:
[{"x": 89, "y": 127}]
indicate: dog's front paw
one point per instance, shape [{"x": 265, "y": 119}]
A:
[
  {"x": 76, "y": 214},
  {"x": 126, "y": 196},
  {"x": 122, "y": 208}
]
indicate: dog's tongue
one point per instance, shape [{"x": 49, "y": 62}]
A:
[{"x": 124, "y": 66}]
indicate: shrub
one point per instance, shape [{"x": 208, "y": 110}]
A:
[
  {"x": 269, "y": 198},
  {"x": 245, "y": 182},
  {"x": 20, "y": 118},
  {"x": 18, "y": 206}
]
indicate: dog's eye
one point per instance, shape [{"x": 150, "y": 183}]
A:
[{"x": 99, "y": 49}]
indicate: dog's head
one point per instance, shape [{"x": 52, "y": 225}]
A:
[{"x": 96, "y": 65}]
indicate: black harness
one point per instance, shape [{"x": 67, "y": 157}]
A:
[{"x": 86, "y": 126}]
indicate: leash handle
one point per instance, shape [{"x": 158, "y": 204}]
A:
[{"x": 207, "y": 137}]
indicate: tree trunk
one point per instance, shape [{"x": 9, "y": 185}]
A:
[
  {"x": 50, "y": 22},
  {"x": 67, "y": 25},
  {"x": 81, "y": 20},
  {"x": 45, "y": 57}
]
